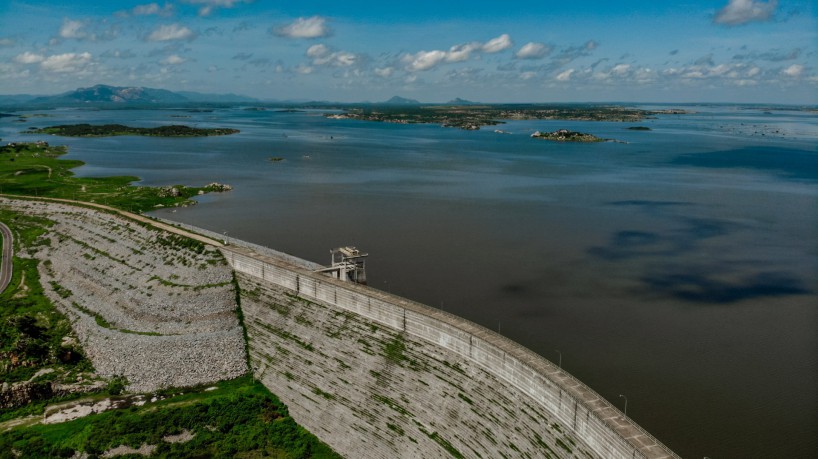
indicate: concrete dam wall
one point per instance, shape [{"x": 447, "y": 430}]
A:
[{"x": 378, "y": 376}]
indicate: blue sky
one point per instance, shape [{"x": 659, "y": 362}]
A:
[{"x": 433, "y": 51}]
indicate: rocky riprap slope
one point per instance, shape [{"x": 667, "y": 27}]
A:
[{"x": 156, "y": 308}]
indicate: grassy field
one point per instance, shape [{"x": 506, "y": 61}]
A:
[{"x": 35, "y": 169}]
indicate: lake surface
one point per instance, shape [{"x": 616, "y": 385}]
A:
[{"x": 679, "y": 268}]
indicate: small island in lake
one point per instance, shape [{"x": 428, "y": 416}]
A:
[
  {"x": 472, "y": 117},
  {"x": 638, "y": 128},
  {"x": 107, "y": 130},
  {"x": 564, "y": 135}
]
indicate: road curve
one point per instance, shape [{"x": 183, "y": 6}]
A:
[{"x": 6, "y": 265}]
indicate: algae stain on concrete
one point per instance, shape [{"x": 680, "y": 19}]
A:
[{"x": 377, "y": 392}]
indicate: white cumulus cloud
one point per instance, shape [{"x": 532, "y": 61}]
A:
[
  {"x": 424, "y": 60},
  {"x": 171, "y": 32},
  {"x": 312, "y": 27},
  {"x": 209, "y": 5},
  {"x": 739, "y": 12},
  {"x": 66, "y": 63},
  {"x": 566, "y": 75},
  {"x": 532, "y": 50},
  {"x": 317, "y": 51},
  {"x": 427, "y": 60},
  {"x": 794, "y": 71},
  {"x": 29, "y": 58},
  {"x": 73, "y": 29},
  {"x": 174, "y": 59},
  {"x": 304, "y": 69},
  {"x": 620, "y": 69},
  {"x": 495, "y": 45},
  {"x": 323, "y": 55},
  {"x": 460, "y": 53},
  {"x": 10, "y": 72},
  {"x": 385, "y": 72},
  {"x": 152, "y": 9}
]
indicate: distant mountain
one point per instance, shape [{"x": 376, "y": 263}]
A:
[
  {"x": 117, "y": 95},
  {"x": 111, "y": 94},
  {"x": 459, "y": 101},
  {"x": 397, "y": 100}
]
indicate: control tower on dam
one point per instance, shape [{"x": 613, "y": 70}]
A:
[{"x": 375, "y": 375}]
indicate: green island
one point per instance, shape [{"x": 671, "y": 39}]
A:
[
  {"x": 564, "y": 135},
  {"x": 34, "y": 169},
  {"x": 108, "y": 130},
  {"x": 45, "y": 371},
  {"x": 472, "y": 117}
]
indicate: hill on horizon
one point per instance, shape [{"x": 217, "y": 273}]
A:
[
  {"x": 397, "y": 100},
  {"x": 459, "y": 101},
  {"x": 127, "y": 95}
]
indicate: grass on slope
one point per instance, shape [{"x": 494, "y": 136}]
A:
[
  {"x": 34, "y": 169},
  {"x": 32, "y": 331},
  {"x": 240, "y": 418}
]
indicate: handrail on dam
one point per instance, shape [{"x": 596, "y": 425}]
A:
[{"x": 640, "y": 442}]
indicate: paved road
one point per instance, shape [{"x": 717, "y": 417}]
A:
[
  {"x": 6, "y": 266},
  {"x": 131, "y": 215}
]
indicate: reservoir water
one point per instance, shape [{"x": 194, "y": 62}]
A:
[{"x": 678, "y": 267}]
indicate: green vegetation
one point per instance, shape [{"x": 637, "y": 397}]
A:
[
  {"x": 285, "y": 335},
  {"x": 34, "y": 169},
  {"x": 474, "y": 116},
  {"x": 195, "y": 288},
  {"x": 238, "y": 419},
  {"x": 465, "y": 399},
  {"x": 39, "y": 353},
  {"x": 117, "y": 385},
  {"x": 326, "y": 395},
  {"x": 549, "y": 453},
  {"x": 102, "y": 322},
  {"x": 395, "y": 428},
  {"x": 562, "y": 445},
  {"x": 33, "y": 334},
  {"x": 393, "y": 350},
  {"x": 107, "y": 130},
  {"x": 444, "y": 444},
  {"x": 454, "y": 366},
  {"x": 392, "y": 404},
  {"x": 564, "y": 135}
]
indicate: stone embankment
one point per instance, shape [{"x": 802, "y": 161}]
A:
[{"x": 151, "y": 306}]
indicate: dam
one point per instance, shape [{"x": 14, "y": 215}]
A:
[
  {"x": 375, "y": 375},
  {"x": 372, "y": 374}
]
